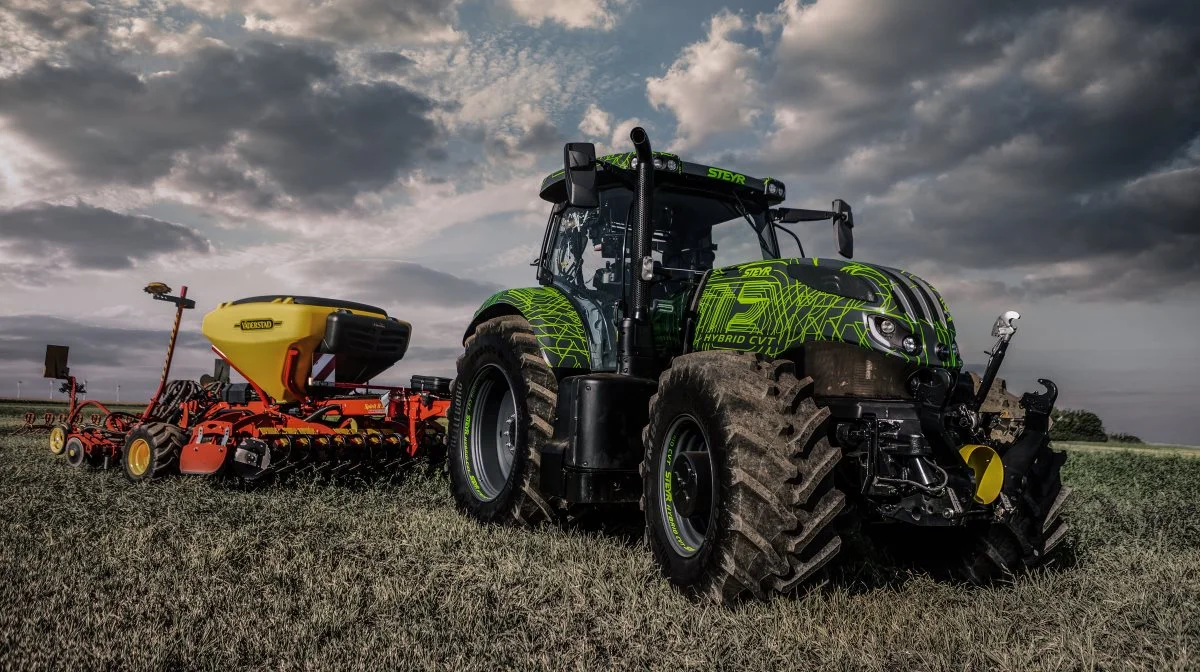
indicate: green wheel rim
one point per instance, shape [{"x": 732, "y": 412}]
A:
[
  {"x": 489, "y": 432},
  {"x": 686, "y": 533}
]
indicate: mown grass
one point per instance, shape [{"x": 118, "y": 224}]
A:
[{"x": 98, "y": 573}]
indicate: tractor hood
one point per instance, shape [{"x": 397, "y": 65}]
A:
[{"x": 780, "y": 304}]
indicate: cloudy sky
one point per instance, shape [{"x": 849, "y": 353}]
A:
[{"x": 1038, "y": 156}]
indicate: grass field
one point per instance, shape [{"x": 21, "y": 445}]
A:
[{"x": 97, "y": 573}]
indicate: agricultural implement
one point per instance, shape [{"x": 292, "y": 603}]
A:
[
  {"x": 306, "y": 402},
  {"x": 753, "y": 404}
]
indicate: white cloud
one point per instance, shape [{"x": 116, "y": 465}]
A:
[
  {"x": 350, "y": 21},
  {"x": 488, "y": 80},
  {"x": 601, "y": 14},
  {"x": 596, "y": 122},
  {"x": 146, "y": 35},
  {"x": 712, "y": 86}
]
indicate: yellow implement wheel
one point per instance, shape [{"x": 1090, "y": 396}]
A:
[
  {"x": 151, "y": 450},
  {"x": 138, "y": 456},
  {"x": 58, "y": 439}
]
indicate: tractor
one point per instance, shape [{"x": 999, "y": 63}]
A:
[{"x": 671, "y": 356}]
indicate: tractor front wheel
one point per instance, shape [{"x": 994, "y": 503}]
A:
[
  {"x": 152, "y": 449},
  {"x": 501, "y": 414},
  {"x": 738, "y": 494}
]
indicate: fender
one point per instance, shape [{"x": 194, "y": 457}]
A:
[
  {"x": 780, "y": 304},
  {"x": 555, "y": 321}
]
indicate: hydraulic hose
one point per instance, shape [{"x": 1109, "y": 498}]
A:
[{"x": 643, "y": 223}]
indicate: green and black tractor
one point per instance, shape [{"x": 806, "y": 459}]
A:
[{"x": 671, "y": 355}]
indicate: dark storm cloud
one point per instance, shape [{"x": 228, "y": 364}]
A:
[
  {"x": 540, "y": 138},
  {"x": 23, "y": 338},
  {"x": 389, "y": 62},
  {"x": 406, "y": 283},
  {"x": 993, "y": 135},
  {"x": 81, "y": 236},
  {"x": 280, "y": 112}
]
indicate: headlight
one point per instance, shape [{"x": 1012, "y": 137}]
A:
[
  {"x": 772, "y": 189},
  {"x": 672, "y": 165},
  {"x": 658, "y": 163},
  {"x": 887, "y": 327},
  {"x": 910, "y": 345}
]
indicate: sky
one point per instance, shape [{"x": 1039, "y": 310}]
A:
[{"x": 1036, "y": 156}]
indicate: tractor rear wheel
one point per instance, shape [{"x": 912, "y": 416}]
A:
[
  {"x": 1031, "y": 531},
  {"x": 500, "y": 415},
  {"x": 58, "y": 439},
  {"x": 152, "y": 449},
  {"x": 738, "y": 493}
]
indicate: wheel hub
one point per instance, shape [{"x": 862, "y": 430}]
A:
[
  {"x": 691, "y": 482},
  {"x": 688, "y": 498}
]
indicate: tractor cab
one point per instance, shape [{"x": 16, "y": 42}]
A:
[{"x": 702, "y": 218}]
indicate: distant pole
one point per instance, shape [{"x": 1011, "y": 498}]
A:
[
  {"x": 19, "y": 388},
  {"x": 118, "y": 393},
  {"x": 51, "y": 390},
  {"x": 85, "y": 388}
]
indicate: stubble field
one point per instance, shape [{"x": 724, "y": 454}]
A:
[{"x": 98, "y": 573}]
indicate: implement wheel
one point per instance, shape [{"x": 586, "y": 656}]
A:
[
  {"x": 738, "y": 493},
  {"x": 151, "y": 450},
  {"x": 76, "y": 454},
  {"x": 58, "y": 439},
  {"x": 501, "y": 414}
]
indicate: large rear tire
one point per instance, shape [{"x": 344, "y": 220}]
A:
[
  {"x": 152, "y": 450},
  {"x": 502, "y": 412},
  {"x": 738, "y": 493}
]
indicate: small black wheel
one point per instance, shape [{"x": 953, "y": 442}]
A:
[
  {"x": 152, "y": 449},
  {"x": 76, "y": 452},
  {"x": 500, "y": 416},
  {"x": 58, "y": 439}
]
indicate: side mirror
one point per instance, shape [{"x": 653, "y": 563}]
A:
[
  {"x": 844, "y": 221},
  {"x": 579, "y": 164}
]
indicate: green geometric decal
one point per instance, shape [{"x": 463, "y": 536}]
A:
[
  {"x": 555, "y": 322},
  {"x": 764, "y": 307}
]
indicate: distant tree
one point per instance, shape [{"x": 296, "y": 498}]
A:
[
  {"x": 1077, "y": 425},
  {"x": 1124, "y": 438}
]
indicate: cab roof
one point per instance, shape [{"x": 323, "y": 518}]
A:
[{"x": 673, "y": 170}]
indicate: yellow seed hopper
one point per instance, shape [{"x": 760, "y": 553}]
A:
[{"x": 272, "y": 340}]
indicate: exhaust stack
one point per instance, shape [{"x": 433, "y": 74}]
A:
[{"x": 636, "y": 340}]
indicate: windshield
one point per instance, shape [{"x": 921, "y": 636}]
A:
[{"x": 692, "y": 229}]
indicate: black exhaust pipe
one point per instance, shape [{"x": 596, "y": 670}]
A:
[
  {"x": 636, "y": 344},
  {"x": 643, "y": 227}
]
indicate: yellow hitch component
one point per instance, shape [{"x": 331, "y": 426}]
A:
[{"x": 989, "y": 471}]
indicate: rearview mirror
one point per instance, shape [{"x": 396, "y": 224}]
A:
[
  {"x": 844, "y": 221},
  {"x": 579, "y": 164}
]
